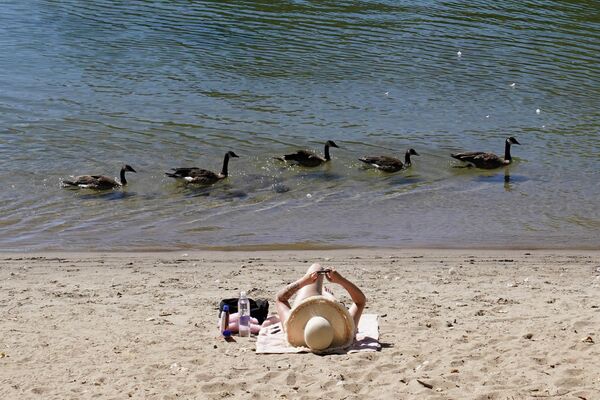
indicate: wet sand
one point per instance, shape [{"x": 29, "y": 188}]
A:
[{"x": 454, "y": 324}]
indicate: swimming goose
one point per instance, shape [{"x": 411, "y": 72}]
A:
[
  {"x": 488, "y": 160},
  {"x": 389, "y": 164},
  {"x": 202, "y": 176},
  {"x": 308, "y": 158},
  {"x": 99, "y": 182}
]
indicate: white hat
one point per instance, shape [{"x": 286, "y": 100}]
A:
[{"x": 320, "y": 324}]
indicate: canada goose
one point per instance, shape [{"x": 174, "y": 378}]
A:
[
  {"x": 389, "y": 164},
  {"x": 488, "y": 160},
  {"x": 202, "y": 176},
  {"x": 99, "y": 182},
  {"x": 308, "y": 158}
]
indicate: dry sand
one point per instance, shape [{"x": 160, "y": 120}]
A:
[{"x": 454, "y": 325}]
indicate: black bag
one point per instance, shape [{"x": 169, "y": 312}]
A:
[{"x": 259, "y": 309}]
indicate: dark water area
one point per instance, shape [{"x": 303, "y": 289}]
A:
[{"x": 88, "y": 86}]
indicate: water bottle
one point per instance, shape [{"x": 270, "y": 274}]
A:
[
  {"x": 244, "y": 313},
  {"x": 224, "y": 319}
]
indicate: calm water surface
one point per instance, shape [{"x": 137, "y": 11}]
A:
[{"x": 87, "y": 86}]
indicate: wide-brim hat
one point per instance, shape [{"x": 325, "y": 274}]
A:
[{"x": 342, "y": 323}]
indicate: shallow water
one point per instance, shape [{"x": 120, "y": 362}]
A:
[{"x": 87, "y": 86}]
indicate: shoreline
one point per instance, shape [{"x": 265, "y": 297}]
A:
[
  {"x": 309, "y": 247},
  {"x": 471, "y": 324},
  {"x": 279, "y": 255}
]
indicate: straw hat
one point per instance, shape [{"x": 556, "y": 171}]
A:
[{"x": 320, "y": 324}]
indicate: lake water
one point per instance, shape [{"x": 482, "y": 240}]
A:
[{"x": 88, "y": 86}]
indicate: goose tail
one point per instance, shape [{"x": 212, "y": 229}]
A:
[{"x": 69, "y": 183}]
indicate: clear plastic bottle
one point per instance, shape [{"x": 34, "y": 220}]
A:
[{"x": 244, "y": 313}]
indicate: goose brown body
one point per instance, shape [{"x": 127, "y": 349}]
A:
[
  {"x": 389, "y": 164},
  {"x": 488, "y": 160},
  {"x": 99, "y": 182},
  {"x": 202, "y": 176},
  {"x": 308, "y": 158}
]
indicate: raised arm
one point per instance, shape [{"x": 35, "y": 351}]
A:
[
  {"x": 358, "y": 297},
  {"x": 282, "y": 300}
]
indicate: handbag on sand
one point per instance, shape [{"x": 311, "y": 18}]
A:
[{"x": 259, "y": 309}]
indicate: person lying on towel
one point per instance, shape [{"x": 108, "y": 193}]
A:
[{"x": 317, "y": 320}]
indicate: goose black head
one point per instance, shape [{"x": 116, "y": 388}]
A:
[
  {"x": 413, "y": 152},
  {"x": 232, "y": 154},
  {"x": 331, "y": 143},
  {"x": 127, "y": 167},
  {"x": 512, "y": 140}
]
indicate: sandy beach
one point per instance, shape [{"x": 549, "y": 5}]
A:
[{"x": 454, "y": 324}]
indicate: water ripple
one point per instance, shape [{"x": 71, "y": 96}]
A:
[{"x": 88, "y": 86}]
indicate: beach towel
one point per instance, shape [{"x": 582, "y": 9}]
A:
[{"x": 271, "y": 339}]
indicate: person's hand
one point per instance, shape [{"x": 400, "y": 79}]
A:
[
  {"x": 333, "y": 276},
  {"x": 308, "y": 279}
]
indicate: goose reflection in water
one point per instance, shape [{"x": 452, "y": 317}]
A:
[
  {"x": 507, "y": 179},
  {"x": 112, "y": 195},
  {"x": 507, "y": 186},
  {"x": 225, "y": 192}
]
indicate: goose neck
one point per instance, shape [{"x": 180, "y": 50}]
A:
[
  {"x": 407, "y": 158},
  {"x": 507, "y": 155},
  {"x": 123, "y": 180},
  {"x": 224, "y": 170}
]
